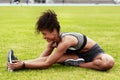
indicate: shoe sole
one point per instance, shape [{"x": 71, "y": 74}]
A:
[
  {"x": 75, "y": 60},
  {"x": 9, "y": 59}
]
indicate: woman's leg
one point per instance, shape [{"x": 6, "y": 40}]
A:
[
  {"x": 101, "y": 62},
  {"x": 61, "y": 60}
]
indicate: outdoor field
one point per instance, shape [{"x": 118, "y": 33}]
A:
[{"x": 17, "y": 32}]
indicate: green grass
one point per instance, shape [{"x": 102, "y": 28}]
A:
[{"x": 17, "y": 31}]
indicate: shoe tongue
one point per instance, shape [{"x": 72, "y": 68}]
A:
[{"x": 13, "y": 57}]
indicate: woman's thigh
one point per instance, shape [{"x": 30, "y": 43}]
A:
[{"x": 61, "y": 60}]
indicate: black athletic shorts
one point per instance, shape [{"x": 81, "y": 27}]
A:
[{"x": 90, "y": 54}]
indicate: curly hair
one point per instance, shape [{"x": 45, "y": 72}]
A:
[{"x": 48, "y": 21}]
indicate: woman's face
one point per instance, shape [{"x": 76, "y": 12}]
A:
[{"x": 50, "y": 36}]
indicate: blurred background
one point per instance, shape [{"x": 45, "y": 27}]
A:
[{"x": 61, "y": 1}]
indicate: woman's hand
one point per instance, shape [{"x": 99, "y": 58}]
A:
[
  {"x": 15, "y": 65},
  {"x": 52, "y": 44}
]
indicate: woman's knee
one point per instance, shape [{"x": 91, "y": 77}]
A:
[
  {"x": 104, "y": 65},
  {"x": 107, "y": 65},
  {"x": 105, "y": 62}
]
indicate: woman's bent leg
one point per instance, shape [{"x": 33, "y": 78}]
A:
[{"x": 101, "y": 62}]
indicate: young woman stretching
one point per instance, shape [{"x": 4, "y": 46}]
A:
[{"x": 72, "y": 49}]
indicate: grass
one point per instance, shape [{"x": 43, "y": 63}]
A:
[{"x": 17, "y": 31}]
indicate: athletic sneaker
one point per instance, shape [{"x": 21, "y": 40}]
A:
[
  {"x": 11, "y": 56},
  {"x": 73, "y": 62}
]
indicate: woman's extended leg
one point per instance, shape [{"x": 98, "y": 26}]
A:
[
  {"x": 101, "y": 62},
  {"x": 61, "y": 60}
]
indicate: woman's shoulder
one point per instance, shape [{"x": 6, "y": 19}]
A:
[{"x": 70, "y": 33}]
